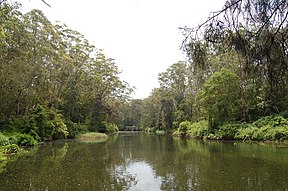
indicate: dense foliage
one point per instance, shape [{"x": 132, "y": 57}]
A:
[
  {"x": 53, "y": 82},
  {"x": 234, "y": 84}
]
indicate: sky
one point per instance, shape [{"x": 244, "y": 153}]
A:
[{"x": 142, "y": 36}]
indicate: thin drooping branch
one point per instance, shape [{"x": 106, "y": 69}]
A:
[
  {"x": 187, "y": 32},
  {"x": 46, "y": 3},
  {"x": 234, "y": 14}
]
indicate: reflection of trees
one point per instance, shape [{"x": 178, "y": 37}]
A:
[
  {"x": 181, "y": 164},
  {"x": 204, "y": 165},
  {"x": 198, "y": 165}
]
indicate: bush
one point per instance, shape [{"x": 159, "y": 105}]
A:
[
  {"x": 24, "y": 139},
  {"x": 228, "y": 131},
  {"x": 47, "y": 124},
  {"x": 74, "y": 129},
  {"x": 250, "y": 133},
  {"x": 272, "y": 121},
  {"x": 272, "y": 128},
  {"x": 199, "y": 129},
  {"x": 11, "y": 149},
  {"x": 104, "y": 127},
  {"x": 111, "y": 128},
  {"x": 14, "y": 124},
  {"x": 150, "y": 129},
  {"x": 4, "y": 140},
  {"x": 183, "y": 127}
]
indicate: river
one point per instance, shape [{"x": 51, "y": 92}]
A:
[{"x": 140, "y": 161}]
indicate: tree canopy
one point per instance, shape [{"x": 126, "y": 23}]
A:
[{"x": 51, "y": 65}]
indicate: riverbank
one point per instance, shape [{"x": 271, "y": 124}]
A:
[
  {"x": 267, "y": 129},
  {"x": 16, "y": 144}
]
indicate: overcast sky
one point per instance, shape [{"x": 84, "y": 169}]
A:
[{"x": 141, "y": 35}]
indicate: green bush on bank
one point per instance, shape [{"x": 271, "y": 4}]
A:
[
  {"x": 228, "y": 130},
  {"x": 46, "y": 124},
  {"x": 111, "y": 127},
  {"x": 18, "y": 139},
  {"x": 270, "y": 128},
  {"x": 4, "y": 140},
  {"x": 194, "y": 130},
  {"x": 11, "y": 149},
  {"x": 103, "y": 127},
  {"x": 150, "y": 129},
  {"x": 130, "y": 128},
  {"x": 75, "y": 128}
]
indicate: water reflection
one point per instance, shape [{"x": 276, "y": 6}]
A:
[
  {"x": 149, "y": 162},
  {"x": 145, "y": 178}
]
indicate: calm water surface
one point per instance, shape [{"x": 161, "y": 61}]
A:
[{"x": 139, "y": 161}]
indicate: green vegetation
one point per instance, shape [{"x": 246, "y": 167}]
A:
[
  {"x": 271, "y": 128},
  {"x": 54, "y": 83},
  {"x": 93, "y": 137},
  {"x": 234, "y": 84}
]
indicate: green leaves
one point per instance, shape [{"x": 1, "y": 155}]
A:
[
  {"x": 220, "y": 96},
  {"x": 47, "y": 124},
  {"x": 56, "y": 67}
]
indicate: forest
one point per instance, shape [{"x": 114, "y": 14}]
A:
[
  {"x": 55, "y": 84},
  {"x": 234, "y": 82}
]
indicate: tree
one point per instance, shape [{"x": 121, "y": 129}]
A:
[
  {"x": 58, "y": 68},
  {"x": 132, "y": 115},
  {"x": 173, "y": 105},
  {"x": 220, "y": 96},
  {"x": 257, "y": 31}
]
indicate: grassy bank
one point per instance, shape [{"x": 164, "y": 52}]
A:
[{"x": 92, "y": 137}]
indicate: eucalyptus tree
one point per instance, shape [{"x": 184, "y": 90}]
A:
[
  {"x": 51, "y": 65},
  {"x": 41, "y": 57},
  {"x": 174, "y": 83},
  {"x": 74, "y": 57},
  {"x": 12, "y": 65},
  {"x": 257, "y": 31},
  {"x": 132, "y": 115},
  {"x": 107, "y": 89},
  {"x": 151, "y": 110}
]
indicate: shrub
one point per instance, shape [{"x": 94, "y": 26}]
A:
[
  {"x": 275, "y": 133},
  {"x": 111, "y": 128},
  {"x": 199, "y": 129},
  {"x": 11, "y": 149},
  {"x": 150, "y": 129},
  {"x": 75, "y": 128},
  {"x": 25, "y": 140},
  {"x": 250, "y": 133},
  {"x": 104, "y": 127},
  {"x": 14, "y": 124},
  {"x": 183, "y": 127},
  {"x": 47, "y": 124},
  {"x": 228, "y": 131},
  {"x": 3, "y": 140},
  {"x": 272, "y": 121}
]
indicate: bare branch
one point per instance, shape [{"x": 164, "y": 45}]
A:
[{"x": 46, "y": 3}]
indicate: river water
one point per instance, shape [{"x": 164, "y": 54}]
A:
[{"x": 139, "y": 161}]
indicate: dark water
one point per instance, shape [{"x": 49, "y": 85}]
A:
[{"x": 139, "y": 161}]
